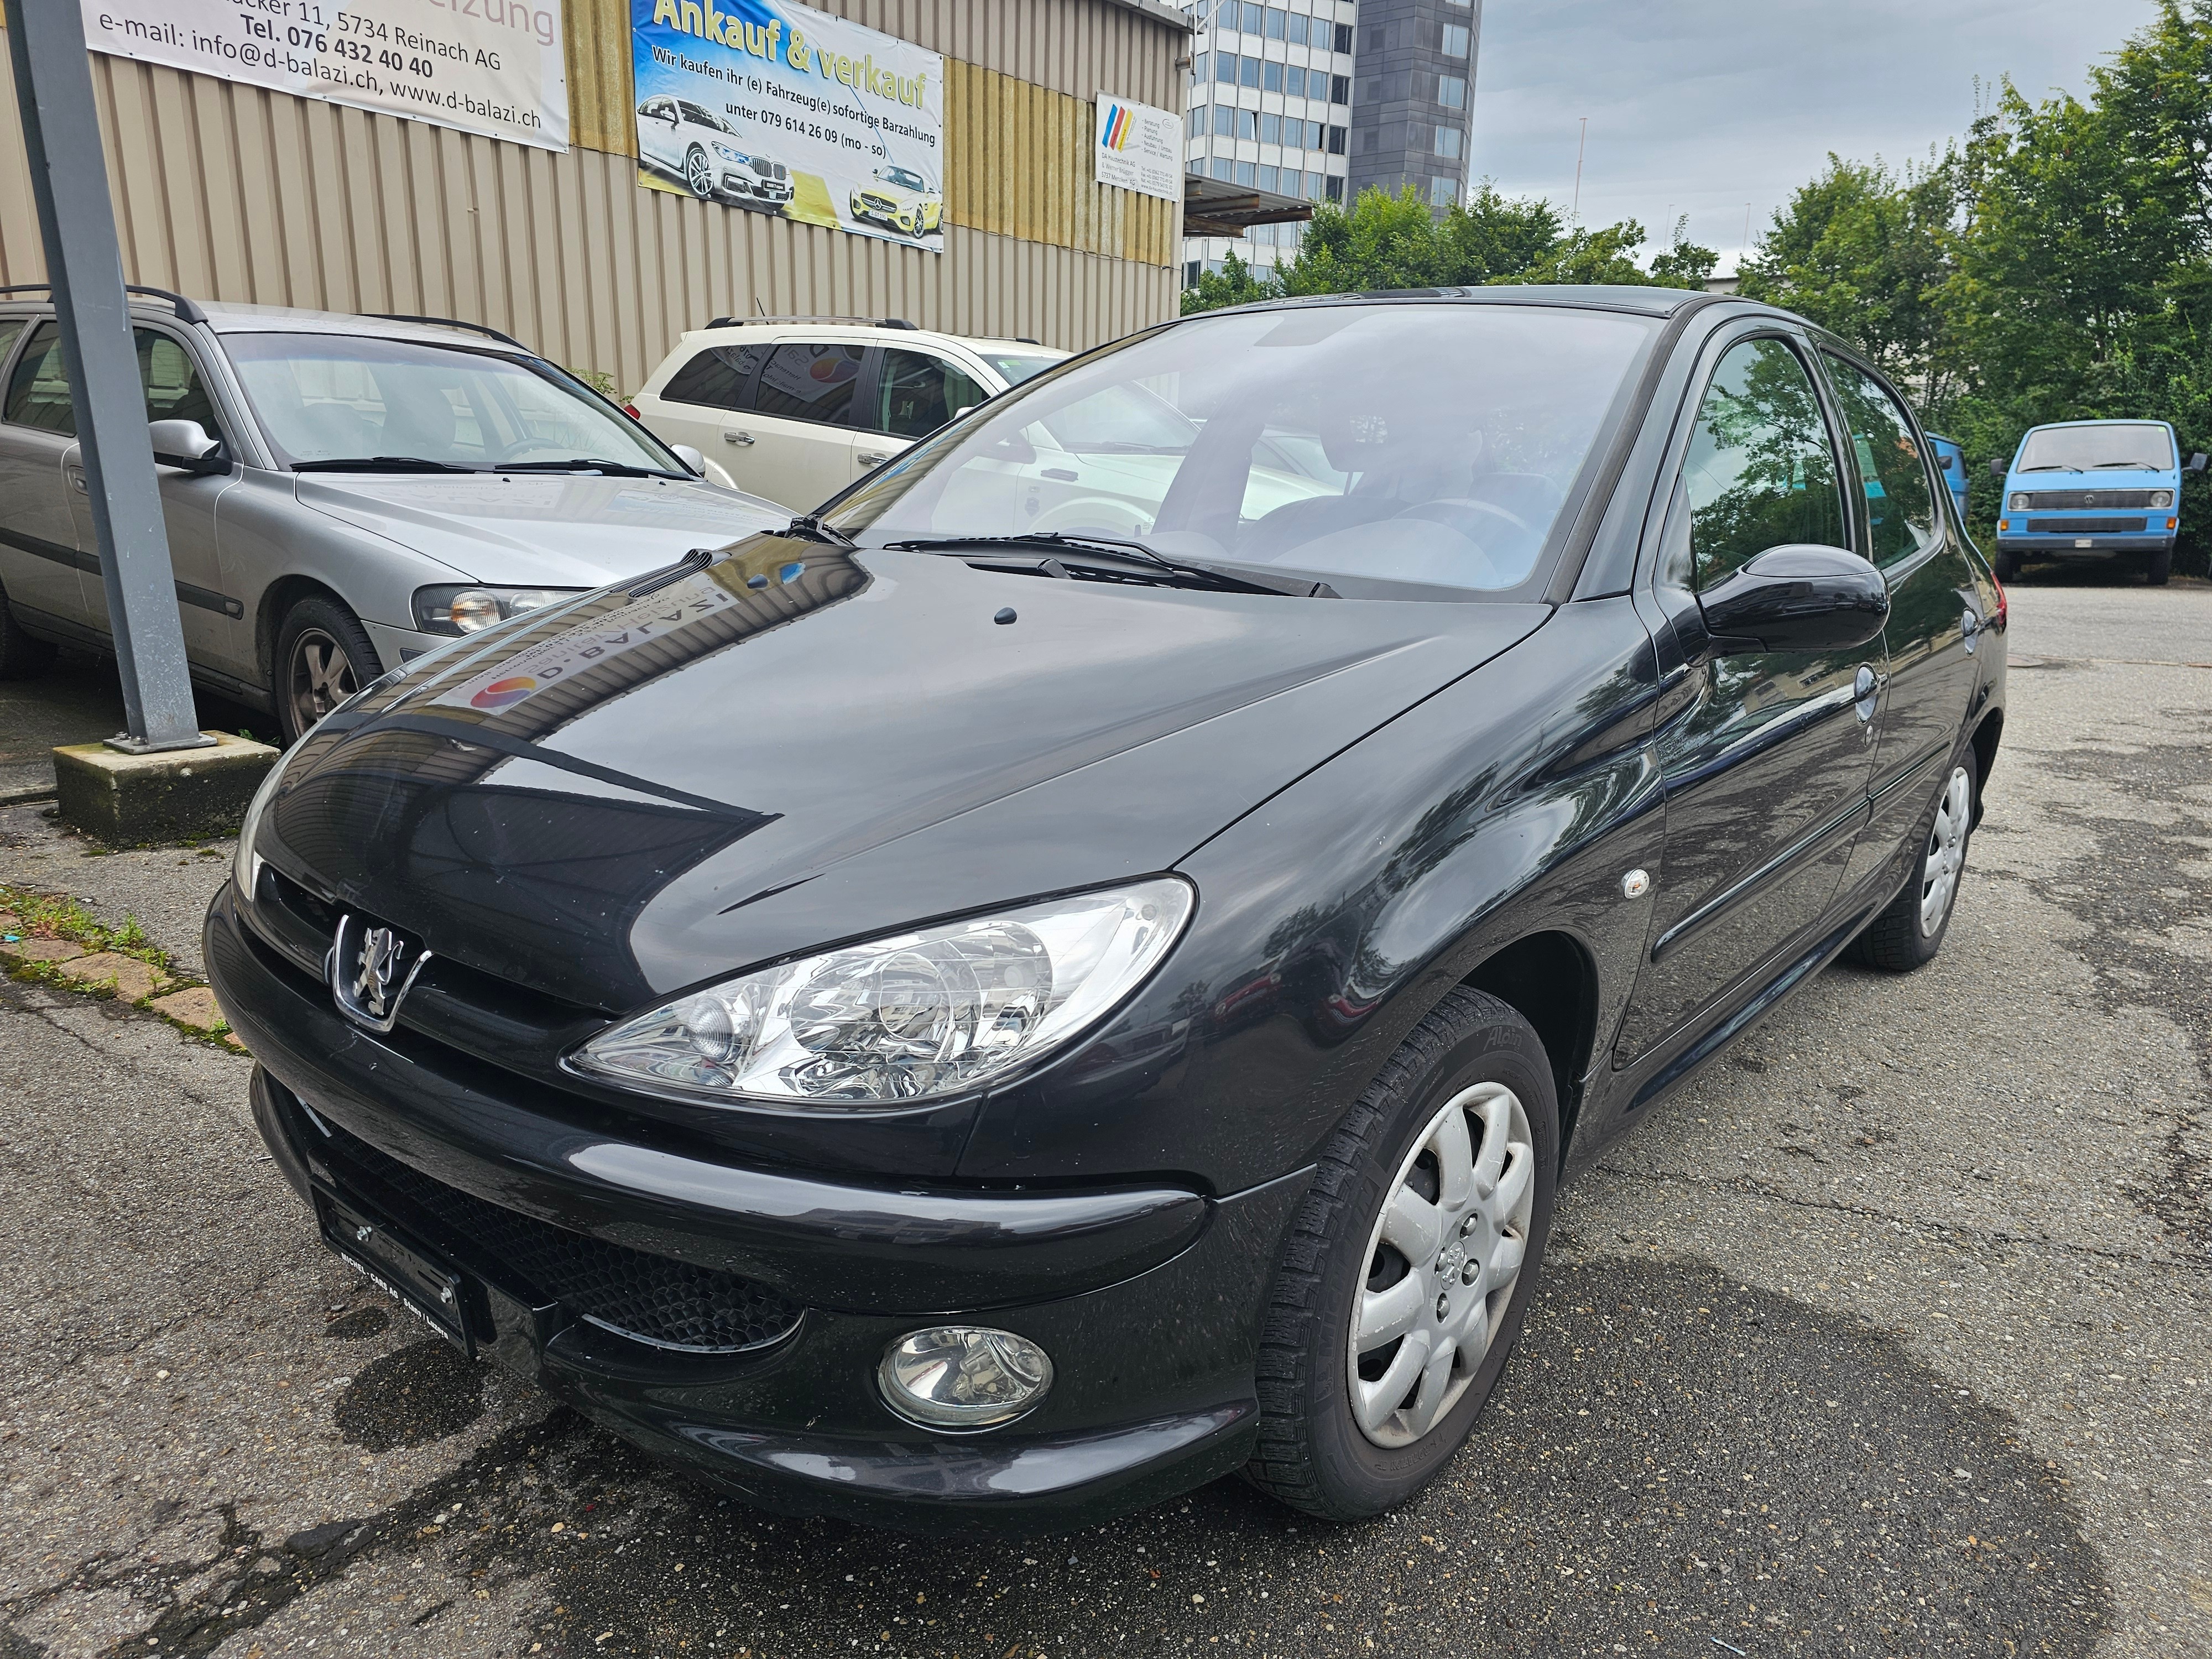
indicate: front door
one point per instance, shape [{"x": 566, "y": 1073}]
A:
[
  {"x": 1766, "y": 763},
  {"x": 39, "y": 556},
  {"x": 216, "y": 633},
  {"x": 795, "y": 444},
  {"x": 1935, "y": 614}
]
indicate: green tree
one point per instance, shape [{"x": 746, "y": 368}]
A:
[{"x": 1234, "y": 284}]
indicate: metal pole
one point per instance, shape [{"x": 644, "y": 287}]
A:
[
  {"x": 1575, "y": 213},
  {"x": 84, "y": 263}
]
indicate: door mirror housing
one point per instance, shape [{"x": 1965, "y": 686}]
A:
[
  {"x": 1798, "y": 597},
  {"x": 1996, "y": 467},
  {"x": 2197, "y": 462},
  {"x": 691, "y": 458},
  {"x": 186, "y": 446}
]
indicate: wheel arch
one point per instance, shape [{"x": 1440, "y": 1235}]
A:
[
  {"x": 276, "y": 602},
  {"x": 1551, "y": 980},
  {"x": 1987, "y": 735}
]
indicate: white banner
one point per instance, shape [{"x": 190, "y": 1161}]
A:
[
  {"x": 781, "y": 109},
  {"x": 486, "y": 66},
  {"x": 1139, "y": 148}
]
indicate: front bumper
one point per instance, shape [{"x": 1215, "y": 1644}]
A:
[
  {"x": 2083, "y": 547},
  {"x": 1150, "y": 1311},
  {"x": 751, "y": 189}
]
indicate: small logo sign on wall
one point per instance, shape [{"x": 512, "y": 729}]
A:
[{"x": 1139, "y": 148}]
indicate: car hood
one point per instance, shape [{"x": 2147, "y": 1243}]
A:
[
  {"x": 800, "y": 746},
  {"x": 520, "y": 530}
]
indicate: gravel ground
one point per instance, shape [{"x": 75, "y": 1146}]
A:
[{"x": 1888, "y": 1336}]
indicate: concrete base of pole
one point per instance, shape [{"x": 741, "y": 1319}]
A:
[{"x": 175, "y": 794}]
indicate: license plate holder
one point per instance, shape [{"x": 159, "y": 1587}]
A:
[
  {"x": 400, "y": 1264},
  {"x": 2084, "y": 541}
]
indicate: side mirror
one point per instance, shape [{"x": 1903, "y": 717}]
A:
[
  {"x": 1798, "y": 597},
  {"x": 186, "y": 446},
  {"x": 1996, "y": 467},
  {"x": 2197, "y": 462},
  {"x": 964, "y": 408},
  {"x": 690, "y": 458}
]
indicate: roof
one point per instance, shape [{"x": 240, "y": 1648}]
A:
[
  {"x": 1646, "y": 301},
  {"x": 1157, "y": 12},
  {"x": 228, "y": 317},
  {"x": 1213, "y": 207}
]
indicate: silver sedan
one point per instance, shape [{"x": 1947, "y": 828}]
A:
[{"x": 342, "y": 494}]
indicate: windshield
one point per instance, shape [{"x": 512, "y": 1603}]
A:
[
  {"x": 1353, "y": 444},
  {"x": 1014, "y": 368},
  {"x": 2138, "y": 447},
  {"x": 902, "y": 177},
  {"x": 325, "y": 398}
]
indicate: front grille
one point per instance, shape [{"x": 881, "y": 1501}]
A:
[
  {"x": 2084, "y": 526},
  {"x": 653, "y": 1298},
  {"x": 880, "y": 204},
  {"x": 768, "y": 169},
  {"x": 2074, "y": 500}
]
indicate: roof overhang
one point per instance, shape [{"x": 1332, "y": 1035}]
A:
[
  {"x": 1212, "y": 207},
  {"x": 1158, "y": 13}
]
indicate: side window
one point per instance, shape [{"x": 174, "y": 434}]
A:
[
  {"x": 1760, "y": 471},
  {"x": 719, "y": 377},
  {"x": 174, "y": 392},
  {"x": 810, "y": 382},
  {"x": 916, "y": 393},
  {"x": 9, "y": 328},
  {"x": 1900, "y": 505},
  {"x": 38, "y": 391}
]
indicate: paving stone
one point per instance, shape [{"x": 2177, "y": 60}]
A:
[
  {"x": 133, "y": 979},
  {"x": 196, "y": 1007},
  {"x": 41, "y": 950}
]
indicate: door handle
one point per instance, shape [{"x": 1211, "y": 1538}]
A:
[
  {"x": 872, "y": 460},
  {"x": 737, "y": 438},
  {"x": 77, "y": 483}
]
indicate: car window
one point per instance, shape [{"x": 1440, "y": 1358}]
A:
[
  {"x": 1761, "y": 471},
  {"x": 916, "y": 393},
  {"x": 2122, "y": 446},
  {"x": 1015, "y": 366},
  {"x": 719, "y": 377},
  {"x": 1893, "y": 470},
  {"x": 9, "y": 328},
  {"x": 1365, "y": 446},
  {"x": 38, "y": 389},
  {"x": 174, "y": 392},
  {"x": 806, "y": 380},
  {"x": 351, "y": 396}
]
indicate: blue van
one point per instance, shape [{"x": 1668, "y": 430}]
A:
[
  {"x": 2093, "y": 490},
  {"x": 1953, "y": 461}
]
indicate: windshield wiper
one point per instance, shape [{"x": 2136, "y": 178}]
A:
[
  {"x": 2047, "y": 466},
  {"x": 2130, "y": 466},
  {"x": 1115, "y": 549},
  {"x": 813, "y": 527},
  {"x": 590, "y": 464},
  {"x": 381, "y": 463}
]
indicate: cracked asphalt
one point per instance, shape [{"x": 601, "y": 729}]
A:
[{"x": 1888, "y": 1336}]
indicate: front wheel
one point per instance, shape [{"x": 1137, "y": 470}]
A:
[
  {"x": 1910, "y": 932},
  {"x": 2006, "y": 566},
  {"x": 323, "y": 657},
  {"x": 1410, "y": 1266},
  {"x": 2159, "y": 567}
]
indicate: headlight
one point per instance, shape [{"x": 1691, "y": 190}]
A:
[
  {"x": 2161, "y": 498},
  {"x": 729, "y": 154},
  {"x": 918, "y": 1015},
  {"x": 2018, "y": 503},
  {"x": 245, "y": 862},
  {"x": 466, "y": 609}
]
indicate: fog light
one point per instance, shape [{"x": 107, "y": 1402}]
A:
[{"x": 964, "y": 1376}]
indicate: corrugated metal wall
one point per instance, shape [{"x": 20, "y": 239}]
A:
[{"x": 228, "y": 192}]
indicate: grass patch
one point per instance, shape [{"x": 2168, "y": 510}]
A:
[{"x": 56, "y": 916}]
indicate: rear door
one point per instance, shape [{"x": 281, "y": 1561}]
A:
[
  {"x": 1935, "y": 606},
  {"x": 795, "y": 445},
  {"x": 696, "y": 406},
  {"x": 915, "y": 393},
  {"x": 39, "y": 558},
  {"x": 1766, "y": 755}
]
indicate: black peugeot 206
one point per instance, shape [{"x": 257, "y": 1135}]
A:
[{"x": 1078, "y": 969}]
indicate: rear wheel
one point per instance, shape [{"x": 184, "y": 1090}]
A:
[
  {"x": 2159, "y": 567},
  {"x": 1910, "y": 931},
  {"x": 21, "y": 657},
  {"x": 1410, "y": 1266},
  {"x": 699, "y": 174},
  {"x": 323, "y": 657}
]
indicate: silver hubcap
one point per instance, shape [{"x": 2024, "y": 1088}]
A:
[
  {"x": 702, "y": 177},
  {"x": 322, "y": 677},
  {"x": 1947, "y": 851},
  {"x": 1441, "y": 1265}
]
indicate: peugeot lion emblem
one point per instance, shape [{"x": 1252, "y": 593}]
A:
[{"x": 370, "y": 969}]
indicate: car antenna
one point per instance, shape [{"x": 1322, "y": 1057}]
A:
[{"x": 758, "y": 306}]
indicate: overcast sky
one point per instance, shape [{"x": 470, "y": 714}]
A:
[{"x": 1702, "y": 105}]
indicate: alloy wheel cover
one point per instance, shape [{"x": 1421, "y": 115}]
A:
[
  {"x": 1947, "y": 851},
  {"x": 1457, "y": 1216}
]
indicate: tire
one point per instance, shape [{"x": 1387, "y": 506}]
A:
[
  {"x": 2159, "y": 567},
  {"x": 323, "y": 657},
  {"x": 1903, "y": 936},
  {"x": 699, "y": 174},
  {"x": 21, "y": 657},
  {"x": 1474, "y": 1058},
  {"x": 2006, "y": 566}
]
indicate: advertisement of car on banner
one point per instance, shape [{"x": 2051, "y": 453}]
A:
[
  {"x": 781, "y": 109},
  {"x": 493, "y": 67}
]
